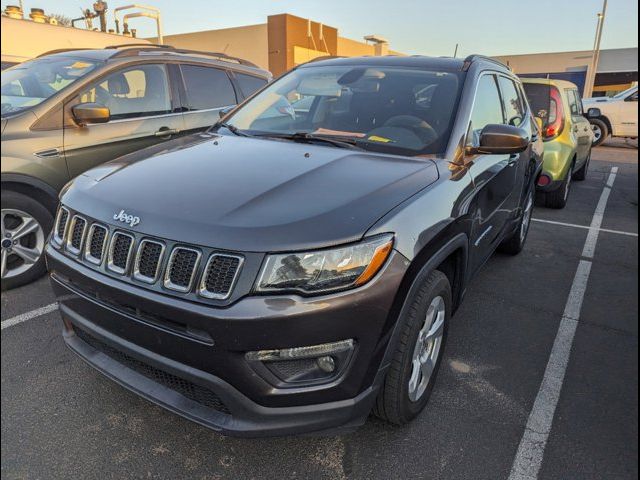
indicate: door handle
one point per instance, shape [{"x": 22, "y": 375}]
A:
[{"x": 166, "y": 132}]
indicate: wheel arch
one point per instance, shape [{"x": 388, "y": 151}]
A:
[{"x": 40, "y": 191}]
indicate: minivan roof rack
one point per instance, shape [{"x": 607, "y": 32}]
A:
[
  {"x": 135, "y": 49},
  {"x": 471, "y": 58}
]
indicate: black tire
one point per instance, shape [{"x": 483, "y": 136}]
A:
[
  {"x": 581, "y": 175},
  {"x": 514, "y": 244},
  {"x": 393, "y": 403},
  {"x": 558, "y": 198},
  {"x": 18, "y": 201},
  {"x": 602, "y": 125}
]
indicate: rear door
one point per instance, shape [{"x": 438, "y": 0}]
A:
[
  {"x": 494, "y": 176},
  {"x": 144, "y": 112},
  {"x": 581, "y": 128},
  {"x": 206, "y": 90}
]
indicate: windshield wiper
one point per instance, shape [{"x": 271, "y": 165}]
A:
[
  {"x": 311, "y": 137},
  {"x": 232, "y": 128}
]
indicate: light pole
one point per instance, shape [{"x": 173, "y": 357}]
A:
[{"x": 595, "y": 57}]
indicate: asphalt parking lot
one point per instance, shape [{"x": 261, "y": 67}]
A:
[{"x": 60, "y": 419}]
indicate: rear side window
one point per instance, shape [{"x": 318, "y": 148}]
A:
[
  {"x": 513, "y": 105},
  {"x": 574, "y": 102},
  {"x": 139, "y": 91},
  {"x": 249, "y": 84},
  {"x": 487, "y": 108},
  {"x": 207, "y": 87}
]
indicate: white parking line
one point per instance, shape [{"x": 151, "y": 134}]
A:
[
  {"x": 23, "y": 317},
  {"x": 563, "y": 224},
  {"x": 528, "y": 461}
]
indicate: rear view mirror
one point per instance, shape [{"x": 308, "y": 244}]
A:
[
  {"x": 594, "y": 113},
  {"x": 88, "y": 113},
  {"x": 498, "y": 139}
]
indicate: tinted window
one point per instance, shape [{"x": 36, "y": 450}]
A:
[
  {"x": 134, "y": 92},
  {"x": 207, "y": 87},
  {"x": 574, "y": 104},
  {"x": 539, "y": 96},
  {"x": 487, "y": 108},
  {"x": 633, "y": 98},
  {"x": 249, "y": 83},
  {"x": 512, "y": 102}
]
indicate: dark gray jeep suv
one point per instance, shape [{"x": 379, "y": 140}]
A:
[{"x": 296, "y": 266}]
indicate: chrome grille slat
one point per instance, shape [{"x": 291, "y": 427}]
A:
[
  {"x": 148, "y": 261},
  {"x": 75, "y": 234},
  {"x": 96, "y": 244},
  {"x": 62, "y": 220},
  {"x": 220, "y": 275},
  {"x": 181, "y": 269},
  {"x": 120, "y": 252}
]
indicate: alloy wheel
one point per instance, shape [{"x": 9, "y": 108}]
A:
[
  {"x": 427, "y": 349},
  {"x": 22, "y": 242}
]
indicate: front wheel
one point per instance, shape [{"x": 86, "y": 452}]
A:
[
  {"x": 416, "y": 360},
  {"x": 25, "y": 224},
  {"x": 558, "y": 197}
]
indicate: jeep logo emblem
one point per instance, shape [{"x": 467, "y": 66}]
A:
[{"x": 124, "y": 217}]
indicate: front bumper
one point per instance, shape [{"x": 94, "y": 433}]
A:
[{"x": 156, "y": 346}]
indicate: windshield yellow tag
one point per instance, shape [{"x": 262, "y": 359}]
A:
[{"x": 375, "y": 138}]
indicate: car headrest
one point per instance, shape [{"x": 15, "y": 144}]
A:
[{"x": 118, "y": 85}]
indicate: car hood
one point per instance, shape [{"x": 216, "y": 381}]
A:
[{"x": 250, "y": 194}]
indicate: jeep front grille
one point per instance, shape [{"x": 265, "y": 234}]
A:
[
  {"x": 220, "y": 276},
  {"x": 120, "y": 252},
  {"x": 95, "y": 245},
  {"x": 76, "y": 234},
  {"x": 61, "y": 225},
  {"x": 181, "y": 269},
  {"x": 148, "y": 260}
]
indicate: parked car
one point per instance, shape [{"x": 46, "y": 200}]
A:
[
  {"x": 618, "y": 115},
  {"x": 567, "y": 137},
  {"x": 66, "y": 112},
  {"x": 288, "y": 273}
]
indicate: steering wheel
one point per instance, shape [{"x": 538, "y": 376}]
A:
[{"x": 425, "y": 132}]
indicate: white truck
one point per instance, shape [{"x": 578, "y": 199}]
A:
[{"x": 618, "y": 118}]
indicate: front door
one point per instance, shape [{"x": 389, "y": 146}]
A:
[{"x": 142, "y": 110}]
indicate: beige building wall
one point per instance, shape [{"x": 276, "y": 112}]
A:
[
  {"x": 353, "y": 48},
  {"x": 249, "y": 42},
  {"x": 26, "y": 39}
]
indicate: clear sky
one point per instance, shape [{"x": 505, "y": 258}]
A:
[{"x": 430, "y": 27}]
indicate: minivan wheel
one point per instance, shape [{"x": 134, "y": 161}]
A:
[
  {"x": 600, "y": 131},
  {"x": 558, "y": 197},
  {"x": 417, "y": 356},
  {"x": 25, "y": 224}
]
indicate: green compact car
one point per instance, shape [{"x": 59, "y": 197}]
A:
[
  {"x": 567, "y": 136},
  {"x": 69, "y": 111}
]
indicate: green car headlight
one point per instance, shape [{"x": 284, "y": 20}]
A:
[{"x": 325, "y": 270}]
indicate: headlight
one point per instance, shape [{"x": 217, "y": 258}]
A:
[{"x": 325, "y": 270}]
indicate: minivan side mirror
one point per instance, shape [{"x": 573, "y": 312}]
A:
[
  {"x": 498, "y": 139},
  {"x": 594, "y": 113},
  {"x": 88, "y": 113}
]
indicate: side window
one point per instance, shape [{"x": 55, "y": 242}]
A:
[
  {"x": 574, "y": 105},
  {"x": 249, "y": 84},
  {"x": 207, "y": 87},
  {"x": 487, "y": 108},
  {"x": 633, "y": 97},
  {"x": 513, "y": 106},
  {"x": 139, "y": 91}
]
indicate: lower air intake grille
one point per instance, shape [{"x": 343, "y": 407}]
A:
[
  {"x": 61, "y": 226},
  {"x": 120, "y": 250},
  {"x": 220, "y": 275},
  {"x": 77, "y": 233},
  {"x": 148, "y": 260},
  {"x": 186, "y": 388},
  {"x": 97, "y": 238},
  {"x": 181, "y": 269}
]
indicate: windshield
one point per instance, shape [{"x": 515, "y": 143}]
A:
[
  {"x": 398, "y": 110},
  {"x": 31, "y": 83}
]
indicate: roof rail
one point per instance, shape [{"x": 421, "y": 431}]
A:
[
  {"x": 140, "y": 44},
  {"x": 135, "y": 49},
  {"x": 62, "y": 50},
  {"x": 471, "y": 58}
]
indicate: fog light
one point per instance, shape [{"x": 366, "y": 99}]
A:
[
  {"x": 326, "y": 364},
  {"x": 301, "y": 352},
  {"x": 544, "y": 180}
]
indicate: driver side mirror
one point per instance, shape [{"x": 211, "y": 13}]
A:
[
  {"x": 593, "y": 113},
  {"x": 88, "y": 113},
  {"x": 496, "y": 139}
]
